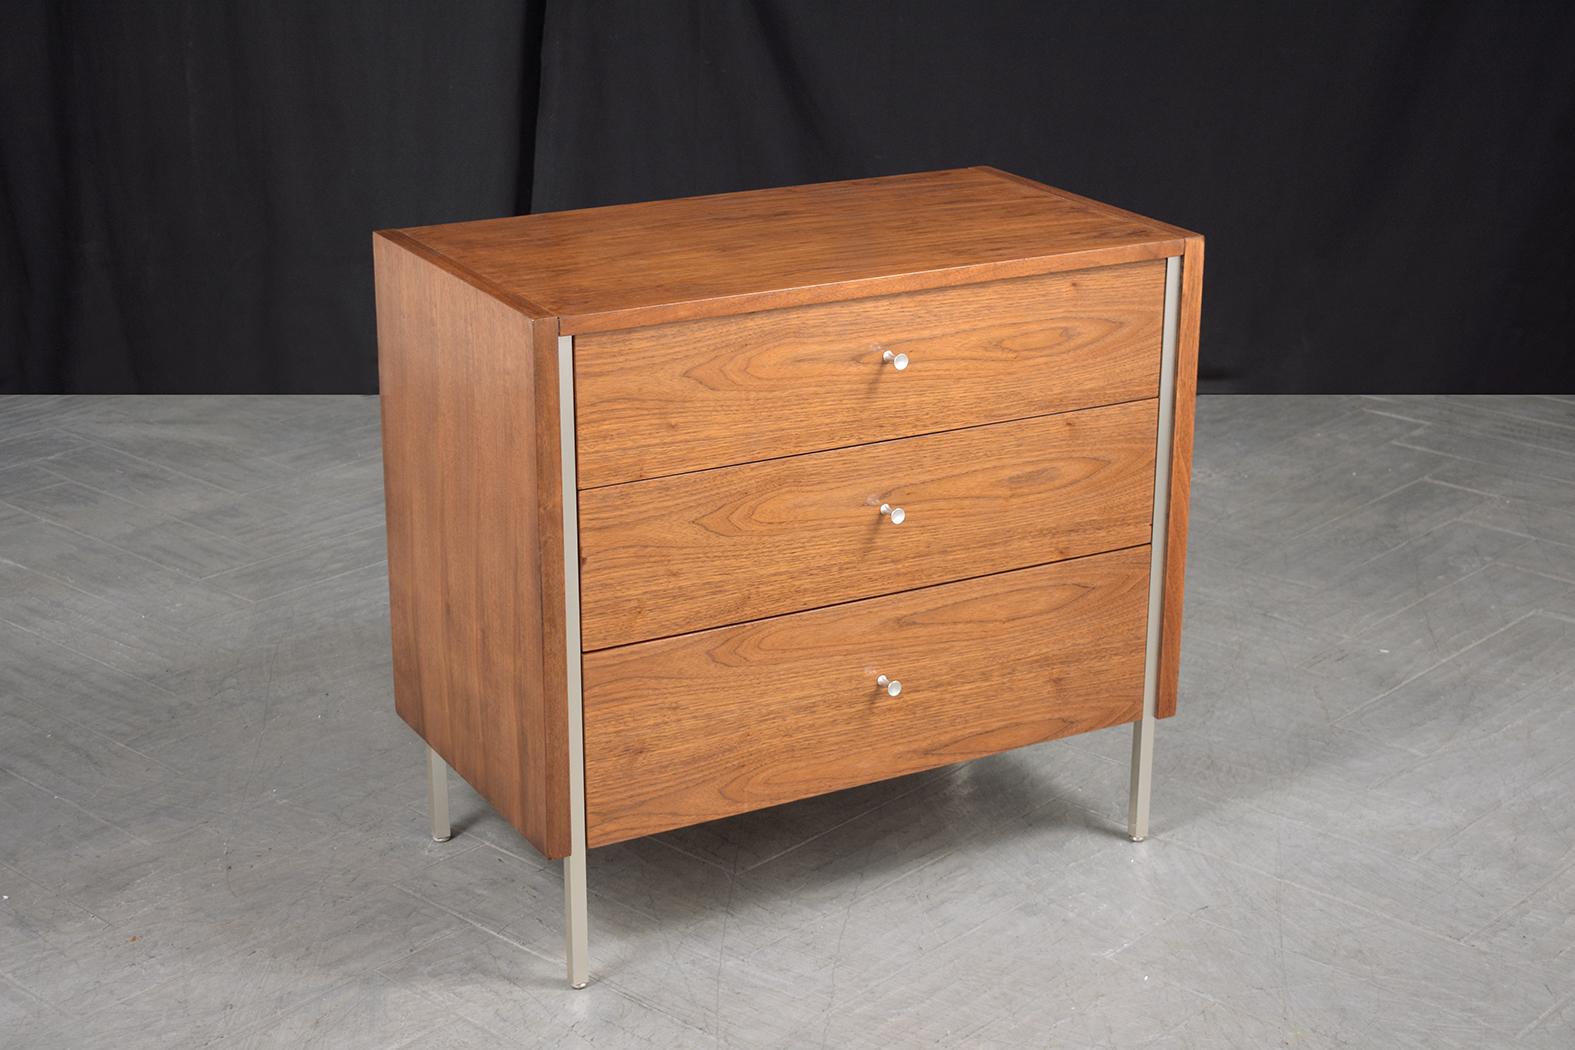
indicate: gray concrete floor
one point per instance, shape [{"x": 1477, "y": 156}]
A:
[{"x": 212, "y": 824}]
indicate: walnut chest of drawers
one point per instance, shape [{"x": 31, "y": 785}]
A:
[{"x": 705, "y": 505}]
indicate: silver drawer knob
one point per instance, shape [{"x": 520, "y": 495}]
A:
[
  {"x": 897, "y": 516},
  {"x": 898, "y": 361},
  {"x": 891, "y": 685}
]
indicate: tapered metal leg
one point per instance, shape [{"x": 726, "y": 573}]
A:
[
  {"x": 437, "y": 796},
  {"x": 1143, "y": 728},
  {"x": 576, "y": 920}
]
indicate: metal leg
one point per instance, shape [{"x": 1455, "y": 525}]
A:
[
  {"x": 1142, "y": 777},
  {"x": 576, "y": 920},
  {"x": 437, "y": 796},
  {"x": 1143, "y": 728},
  {"x": 576, "y": 940}
]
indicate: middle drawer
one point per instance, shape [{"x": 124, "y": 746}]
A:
[{"x": 722, "y": 546}]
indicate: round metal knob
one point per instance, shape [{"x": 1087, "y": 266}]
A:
[
  {"x": 896, "y": 514},
  {"x": 898, "y": 361},
  {"x": 891, "y": 685}
]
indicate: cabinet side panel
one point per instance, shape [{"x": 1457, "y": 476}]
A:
[
  {"x": 465, "y": 536},
  {"x": 1180, "y": 475}
]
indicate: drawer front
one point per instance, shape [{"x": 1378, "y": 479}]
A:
[
  {"x": 723, "y": 546},
  {"x": 706, "y": 725},
  {"x": 673, "y": 398}
]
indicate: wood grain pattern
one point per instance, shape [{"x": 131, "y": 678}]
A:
[
  {"x": 711, "y": 724},
  {"x": 661, "y": 261},
  {"x": 1180, "y": 475},
  {"x": 468, "y": 404},
  {"x": 1096, "y": 206},
  {"x": 741, "y": 543},
  {"x": 701, "y": 394},
  {"x": 745, "y": 331}
]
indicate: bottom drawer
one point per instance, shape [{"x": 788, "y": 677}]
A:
[{"x": 705, "y": 725}]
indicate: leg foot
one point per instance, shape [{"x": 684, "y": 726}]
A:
[
  {"x": 1142, "y": 777},
  {"x": 437, "y": 796},
  {"x": 576, "y": 919}
]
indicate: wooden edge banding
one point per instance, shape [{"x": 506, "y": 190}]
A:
[
  {"x": 395, "y": 540},
  {"x": 868, "y": 288},
  {"x": 443, "y": 262},
  {"x": 1180, "y": 474},
  {"x": 549, "y": 481}
]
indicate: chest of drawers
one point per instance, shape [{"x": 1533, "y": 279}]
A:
[{"x": 705, "y": 505}]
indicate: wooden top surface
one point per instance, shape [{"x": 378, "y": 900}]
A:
[{"x": 634, "y": 264}]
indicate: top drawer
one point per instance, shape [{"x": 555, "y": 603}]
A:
[{"x": 673, "y": 398}]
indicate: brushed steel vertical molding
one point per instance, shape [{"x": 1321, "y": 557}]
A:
[
  {"x": 576, "y": 918},
  {"x": 437, "y": 796},
  {"x": 1143, "y": 728}
]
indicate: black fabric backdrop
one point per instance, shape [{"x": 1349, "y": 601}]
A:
[{"x": 187, "y": 188}]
